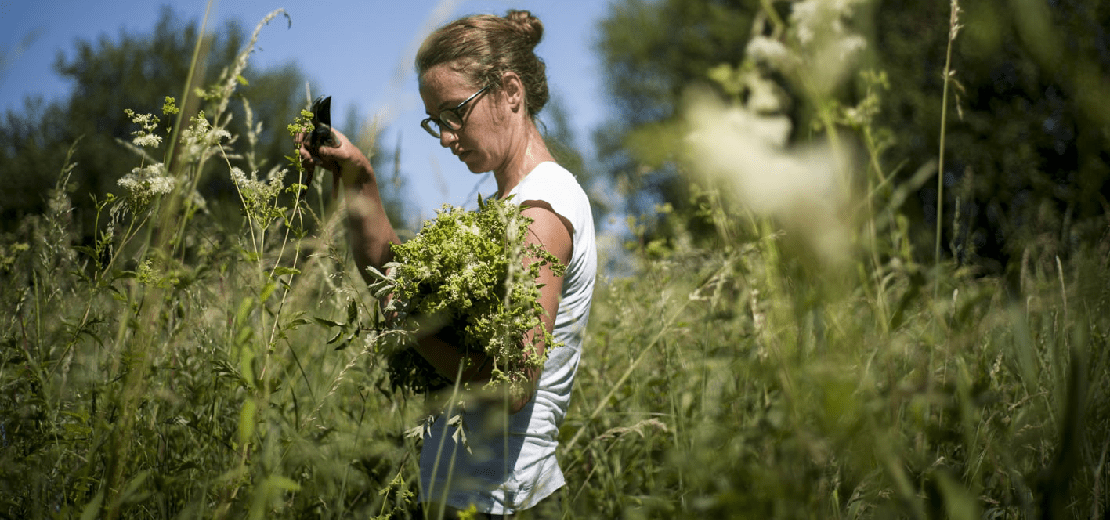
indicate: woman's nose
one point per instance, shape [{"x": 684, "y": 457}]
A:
[{"x": 446, "y": 137}]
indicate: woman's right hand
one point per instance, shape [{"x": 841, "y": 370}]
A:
[
  {"x": 345, "y": 161},
  {"x": 370, "y": 230}
]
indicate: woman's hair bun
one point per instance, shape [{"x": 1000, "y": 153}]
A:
[{"x": 529, "y": 26}]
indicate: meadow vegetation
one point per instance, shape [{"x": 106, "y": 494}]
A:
[{"x": 795, "y": 359}]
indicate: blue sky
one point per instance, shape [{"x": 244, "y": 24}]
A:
[{"x": 366, "y": 60}]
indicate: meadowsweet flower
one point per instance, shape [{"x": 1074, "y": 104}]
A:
[
  {"x": 239, "y": 177},
  {"x": 255, "y": 188},
  {"x": 824, "y": 44},
  {"x": 463, "y": 267},
  {"x": 851, "y": 45},
  {"x": 145, "y": 136},
  {"x": 201, "y": 138},
  {"x": 259, "y": 196},
  {"x": 800, "y": 186},
  {"x": 150, "y": 140},
  {"x": 768, "y": 50},
  {"x": 152, "y": 179},
  {"x": 145, "y": 183}
]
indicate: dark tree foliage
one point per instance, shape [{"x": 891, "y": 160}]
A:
[
  {"x": 135, "y": 71},
  {"x": 651, "y": 51},
  {"x": 1028, "y": 149},
  {"x": 1027, "y": 153}
]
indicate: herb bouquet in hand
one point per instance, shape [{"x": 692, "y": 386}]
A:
[{"x": 463, "y": 279}]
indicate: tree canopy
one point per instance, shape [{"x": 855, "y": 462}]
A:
[
  {"x": 134, "y": 71},
  {"x": 651, "y": 51},
  {"x": 1027, "y": 140},
  {"x": 1028, "y": 146}
]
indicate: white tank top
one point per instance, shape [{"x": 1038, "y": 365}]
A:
[{"x": 506, "y": 473}]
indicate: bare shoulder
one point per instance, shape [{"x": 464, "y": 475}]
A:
[{"x": 552, "y": 231}]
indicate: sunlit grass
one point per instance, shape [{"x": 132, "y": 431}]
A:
[{"x": 185, "y": 367}]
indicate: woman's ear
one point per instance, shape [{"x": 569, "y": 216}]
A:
[{"x": 513, "y": 90}]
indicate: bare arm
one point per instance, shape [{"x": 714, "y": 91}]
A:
[
  {"x": 553, "y": 233},
  {"x": 369, "y": 227}
]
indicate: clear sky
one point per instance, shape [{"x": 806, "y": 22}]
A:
[{"x": 359, "y": 52}]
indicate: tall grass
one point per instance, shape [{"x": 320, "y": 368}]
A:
[
  {"x": 740, "y": 405},
  {"x": 175, "y": 368},
  {"x": 188, "y": 365}
]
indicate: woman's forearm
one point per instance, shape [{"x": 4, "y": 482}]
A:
[
  {"x": 370, "y": 231},
  {"x": 446, "y": 359}
]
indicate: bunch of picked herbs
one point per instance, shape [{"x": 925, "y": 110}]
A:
[{"x": 463, "y": 278}]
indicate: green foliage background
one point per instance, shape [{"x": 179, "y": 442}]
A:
[{"x": 161, "y": 361}]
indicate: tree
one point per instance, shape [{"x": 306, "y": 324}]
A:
[
  {"x": 652, "y": 51},
  {"x": 1026, "y": 162},
  {"x": 137, "y": 71}
]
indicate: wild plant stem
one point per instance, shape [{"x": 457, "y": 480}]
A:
[{"x": 953, "y": 28}]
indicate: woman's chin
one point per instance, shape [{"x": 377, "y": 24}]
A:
[{"x": 473, "y": 165}]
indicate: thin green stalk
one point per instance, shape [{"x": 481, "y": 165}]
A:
[
  {"x": 188, "y": 91},
  {"x": 773, "y": 15},
  {"x": 953, "y": 30}
]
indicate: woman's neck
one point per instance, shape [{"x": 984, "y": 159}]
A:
[{"x": 528, "y": 153}]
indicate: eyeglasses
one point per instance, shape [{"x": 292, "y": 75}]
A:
[{"x": 451, "y": 119}]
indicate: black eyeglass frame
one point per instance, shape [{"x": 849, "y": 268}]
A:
[{"x": 451, "y": 118}]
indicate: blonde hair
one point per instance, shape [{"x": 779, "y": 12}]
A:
[{"x": 484, "y": 47}]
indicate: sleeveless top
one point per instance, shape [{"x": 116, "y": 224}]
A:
[{"x": 510, "y": 467}]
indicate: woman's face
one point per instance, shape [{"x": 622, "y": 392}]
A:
[{"x": 480, "y": 143}]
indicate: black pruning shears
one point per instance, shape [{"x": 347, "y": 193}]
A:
[{"x": 322, "y": 134}]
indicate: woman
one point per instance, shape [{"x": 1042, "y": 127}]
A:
[{"x": 482, "y": 86}]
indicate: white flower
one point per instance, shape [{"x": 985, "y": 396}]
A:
[
  {"x": 144, "y": 183},
  {"x": 238, "y": 177},
  {"x": 276, "y": 180},
  {"x": 801, "y": 186},
  {"x": 161, "y": 185},
  {"x": 219, "y": 135},
  {"x": 150, "y": 140},
  {"x": 769, "y": 50},
  {"x": 852, "y": 45}
]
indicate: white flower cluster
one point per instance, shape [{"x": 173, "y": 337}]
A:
[
  {"x": 800, "y": 186},
  {"x": 201, "y": 137},
  {"x": 254, "y": 189},
  {"x": 151, "y": 140},
  {"x": 769, "y": 50},
  {"x": 819, "y": 45},
  {"x": 803, "y": 187},
  {"x": 143, "y": 184},
  {"x": 145, "y": 136},
  {"x": 826, "y": 41}
]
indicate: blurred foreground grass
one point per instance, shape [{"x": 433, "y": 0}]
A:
[{"x": 191, "y": 365}]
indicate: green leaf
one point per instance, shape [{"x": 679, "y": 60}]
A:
[
  {"x": 278, "y": 271},
  {"x": 283, "y": 483},
  {"x": 93, "y": 508},
  {"x": 88, "y": 250},
  {"x": 959, "y": 502},
  {"x": 245, "y": 308},
  {"x": 247, "y": 416},
  {"x": 267, "y": 291},
  {"x": 352, "y": 312},
  {"x": 134, "y": 492},
  {"x": 292, "y": 324}
]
